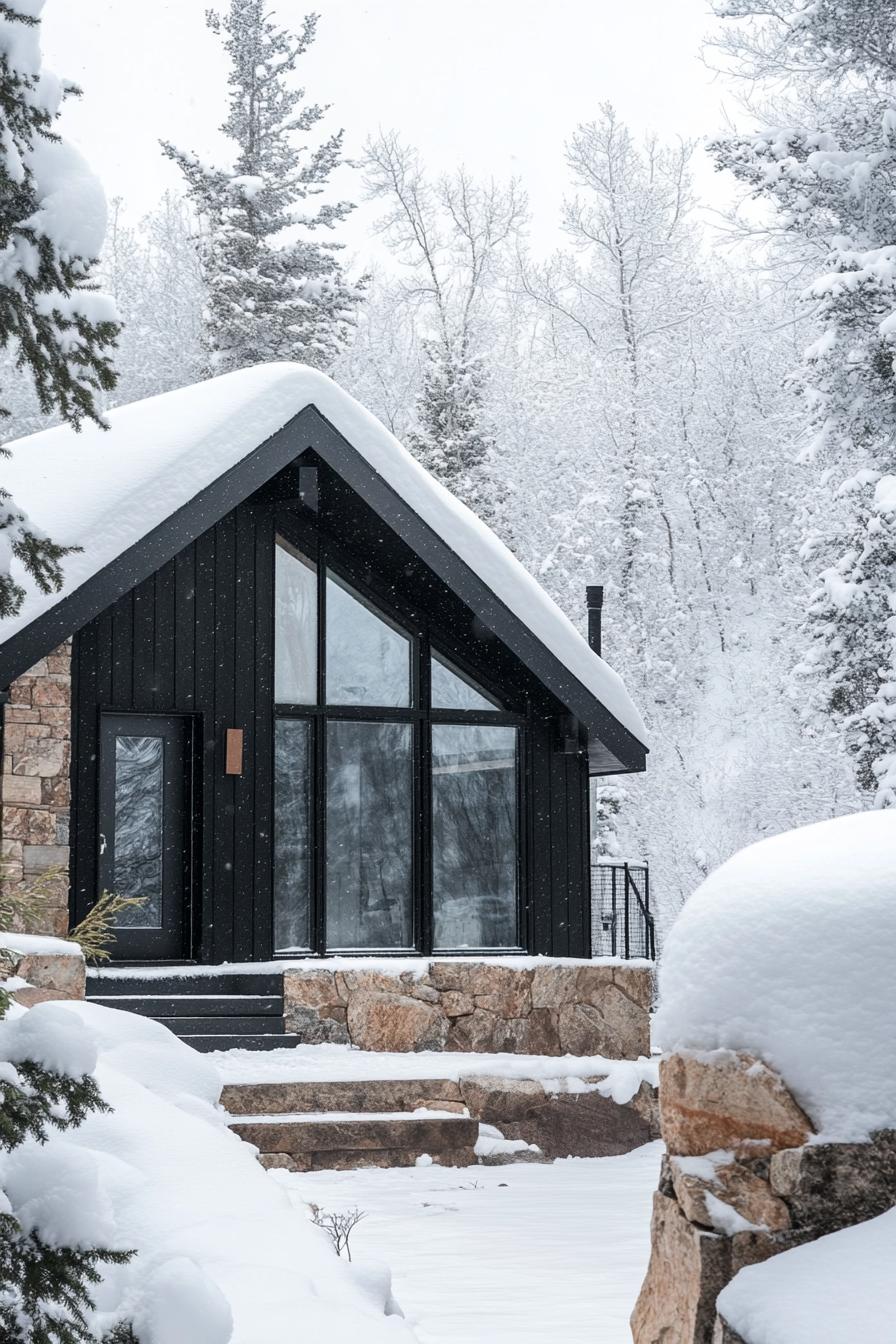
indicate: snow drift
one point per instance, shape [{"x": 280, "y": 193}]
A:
[
  {"x": 786, "y": 951},
  {"x": 222, "y": 1256},
  {"x": 837, "y": 1290}
]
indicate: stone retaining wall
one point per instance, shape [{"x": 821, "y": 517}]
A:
[
  {"x": 35, "y": 789},
  {"x": 574, "y": 1007},
  {"x": 742, "y": 1182}
]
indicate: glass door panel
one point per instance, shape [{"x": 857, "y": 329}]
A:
[
  {"x": 145, "y": 832},
  {"x": 138, "y": 829}
]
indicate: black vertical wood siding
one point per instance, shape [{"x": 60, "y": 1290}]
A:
[{"x": 196, "y": 638}]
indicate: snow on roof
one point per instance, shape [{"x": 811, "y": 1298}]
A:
[
  {"x": 786, "y": 952},
  {"x": 105, "y": 490}
]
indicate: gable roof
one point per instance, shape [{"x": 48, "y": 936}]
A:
[{"x": 170, "y": 466}]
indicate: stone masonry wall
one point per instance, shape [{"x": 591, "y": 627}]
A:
[
  {"x": 571, "y": 1007},
  {"x": 35, "y": 789}
]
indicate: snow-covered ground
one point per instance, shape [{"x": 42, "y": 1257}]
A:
[{"x": 504, "y": 1255}]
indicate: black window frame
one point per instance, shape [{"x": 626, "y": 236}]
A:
[{"x": 328, "y": 556}]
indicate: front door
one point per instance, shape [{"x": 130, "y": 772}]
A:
[{"x": 145, "y": 832}]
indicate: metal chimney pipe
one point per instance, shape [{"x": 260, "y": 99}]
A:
[{"x": 594, "y": 598}]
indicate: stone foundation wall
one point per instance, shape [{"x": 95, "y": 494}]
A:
[
  {"x": 35, "y": 788},
  {"x": 742, "y": 1182},
  {"x": 574, "y": 1007}
]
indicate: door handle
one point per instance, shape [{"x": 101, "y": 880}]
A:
[{"x": 102, "y": 844}]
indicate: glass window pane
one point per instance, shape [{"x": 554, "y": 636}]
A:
[
  {"x": 450, "y": 689},
  {"x": 292, "y": 835},
  {"x": 474, "y": 836},
  {"x": 370, "y": 838},
  {"x": 139, "y": 785},
  {"x": 368, "y": 658},
  {"x": 295, "y": 627}
]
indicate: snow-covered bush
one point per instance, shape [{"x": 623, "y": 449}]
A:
[
  {"x": 55, "y": 1237},
  {"x": 786, "y": 952},
  {"x": 221, "y": 1255}
]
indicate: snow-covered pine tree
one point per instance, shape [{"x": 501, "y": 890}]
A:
[
  {"x": 608, "y": 801},
  {"x": 829, "y": 171},
  {"x": 45, "y": 1285},
  {"x": 276, "y": 290},
  {"x": 52, "y": 217},
  {"x": 450, "y": 437}
]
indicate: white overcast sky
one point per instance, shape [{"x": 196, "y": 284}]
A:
[{"x": 498, "y": 85}]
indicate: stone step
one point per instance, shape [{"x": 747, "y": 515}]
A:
[
  {"x": 194, "y": 1005},
  {"x": 357, "y": 1095},
  {"x": 320, "y": 1141}
]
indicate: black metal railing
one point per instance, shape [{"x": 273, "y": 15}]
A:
[{"x": 621, "y": 922}]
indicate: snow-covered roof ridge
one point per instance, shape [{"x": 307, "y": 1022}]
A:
[{"x": 106, "y": 490}]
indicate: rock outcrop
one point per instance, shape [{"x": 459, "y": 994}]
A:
[{"x": 741, "y": 1182}]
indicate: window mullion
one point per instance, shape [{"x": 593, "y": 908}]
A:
[
  {"x": 320, "y": 762},
  {"x": 423, "y": 865}
]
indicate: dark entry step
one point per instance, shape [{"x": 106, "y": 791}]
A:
[
  {"x": 224, "y": 1010},
  {"x": 265, "y": 1042},
  {"x": 192, "y": 1005},
  {"x": 104, "y": 984},
  {"x": 225, "y": 1026}
]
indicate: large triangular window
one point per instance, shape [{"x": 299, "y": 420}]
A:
[
  {"x": 452, "y": 689},
  {"x": 368, "y": 657},
  {"x": 295, "y": 627}
]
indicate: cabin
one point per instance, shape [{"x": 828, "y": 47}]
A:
[{"x": 293, "y": 695}]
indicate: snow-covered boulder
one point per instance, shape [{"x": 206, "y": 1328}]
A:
[
  {"x": 777, "y": 1090},
  {"x": 785, "y": 953},
  {"x": 222, "y": 1255},
  {"x": 43, "y": 968}
]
